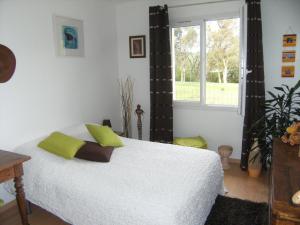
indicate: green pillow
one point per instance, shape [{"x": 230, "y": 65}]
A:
[
  {"x": 61, "y": 145},
  {"x": 197, "y": 142},
  {"x": 104, "y": 135}
]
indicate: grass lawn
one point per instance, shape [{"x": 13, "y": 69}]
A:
[{"x": 216, "y": 93}]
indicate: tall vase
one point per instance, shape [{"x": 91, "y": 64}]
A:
[
  {"x": 127, "y": 128},
  {"x": 254, "y": 161},
  {"x": 126, "y": 123},
  {"x": 126, "y": 91}
]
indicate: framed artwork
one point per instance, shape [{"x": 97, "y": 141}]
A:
[
  {"x": 288, "y": 71},
  {"x": 68, "y": 36},
  {"x": 137, "y": 46},
  {"x": 289, "y": 56},
  {"x": 289, "y": 40}
]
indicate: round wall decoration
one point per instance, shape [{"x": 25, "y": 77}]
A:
[{"x": 7, "y": 63}]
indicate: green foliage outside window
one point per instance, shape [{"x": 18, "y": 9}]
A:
[{"x": 222, "y": 52}]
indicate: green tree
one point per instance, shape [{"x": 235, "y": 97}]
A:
[
  {"x": 223, "y": 49},
  {"x": 187, "y": 54}
]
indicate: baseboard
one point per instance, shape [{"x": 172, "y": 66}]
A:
[{"x": 236, "y": 161}]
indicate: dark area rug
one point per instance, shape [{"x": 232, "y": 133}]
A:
[{"x": 232, "y": 211}]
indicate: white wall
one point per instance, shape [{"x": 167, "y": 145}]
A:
[
  {"x": 277, "y": 17},
  {"x": 218, "y": 127},
  {"x": 49, "y": 92}
]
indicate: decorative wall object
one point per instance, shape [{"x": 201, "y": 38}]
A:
[
  {"x": 68, "y": 36},
  {"x": 139, "y": 112},
  {"x": 288, "y": 56},
  {"x": 287, "y": 71},
  {"x": 7, "y": 63},
  {"x": 137, "y": 46},
  {"x": 289, "y": 40},
  {"x": 126, "y": 91}
]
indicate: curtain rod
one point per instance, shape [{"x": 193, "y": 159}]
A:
[{"x": 202, "y": 3}]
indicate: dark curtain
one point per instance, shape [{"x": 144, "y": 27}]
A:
[
  {"x": 161, "y": 98},
  {"x": 255, "y": 86}
]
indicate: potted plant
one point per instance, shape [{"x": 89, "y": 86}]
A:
[
  {"x": 281, "y": 110},
  {"x": 254, "y": 161}
]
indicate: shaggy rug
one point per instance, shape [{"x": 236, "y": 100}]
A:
[{"x": 232, "y": 211}]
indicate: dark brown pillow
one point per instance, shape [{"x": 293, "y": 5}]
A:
[{"x": 92, "y": 151}]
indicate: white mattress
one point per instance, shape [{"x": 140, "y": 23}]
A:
[{"x": 144, "y": 184}]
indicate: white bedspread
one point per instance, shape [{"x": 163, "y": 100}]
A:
[{"x": 144, "y": 184}]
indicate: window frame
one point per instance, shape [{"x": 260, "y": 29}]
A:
[{"x": 201, "y": 21}]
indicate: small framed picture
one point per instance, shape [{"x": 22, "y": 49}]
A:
[
  {"x": 68, "y": 36},
  {"x": 137, "y": 46},
  {"x": 289, "y": 40},
  {"x": 288, "y": 71},
  {"x": 288, "y": 56}
]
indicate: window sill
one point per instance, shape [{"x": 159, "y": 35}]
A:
[{"x": 198, "y": 106}]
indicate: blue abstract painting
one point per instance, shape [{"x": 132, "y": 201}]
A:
[{"x": 70, "y": 37}]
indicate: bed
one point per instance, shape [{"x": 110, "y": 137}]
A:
[{"x": 144, "y": 184}]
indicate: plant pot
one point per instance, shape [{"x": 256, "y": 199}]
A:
[
  {"x": 254, "y": 161},
  {"x": 254, "y": 171}
]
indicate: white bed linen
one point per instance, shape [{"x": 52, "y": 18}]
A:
[{"x": 144, "y": 184}]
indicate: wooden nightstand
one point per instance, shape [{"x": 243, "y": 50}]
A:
[{"x": 11, "y": 167}]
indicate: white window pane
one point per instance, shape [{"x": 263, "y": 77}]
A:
[
  {"x": 222, "y": 62},
  {"x": 186, "y": 53}
]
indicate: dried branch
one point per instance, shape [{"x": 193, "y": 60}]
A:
[{"x": 126, "y": 92}]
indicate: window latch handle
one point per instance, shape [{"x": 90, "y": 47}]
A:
[{"x": 248, "y": 71}]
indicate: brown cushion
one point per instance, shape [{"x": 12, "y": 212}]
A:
[{"x": 92, "y": 151}]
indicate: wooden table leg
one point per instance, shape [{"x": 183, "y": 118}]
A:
[{"x": 20, "y": 195}]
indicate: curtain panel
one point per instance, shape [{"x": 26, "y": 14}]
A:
[
  {"x": 255, "y": 85},
  {"x": 161, "y": 93}
]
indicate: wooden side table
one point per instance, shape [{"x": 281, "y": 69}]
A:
[{"x": 11, "y": 167}]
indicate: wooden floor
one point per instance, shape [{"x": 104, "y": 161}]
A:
[
  {"x": 236, "y": 182},
  {"x": 240, "y": 185}
]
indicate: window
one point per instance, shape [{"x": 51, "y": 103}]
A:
[
  {"x": 186, "y": 46},
  {"x": 222, "y": 62},
  {"x": 206, "y": 62}
]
